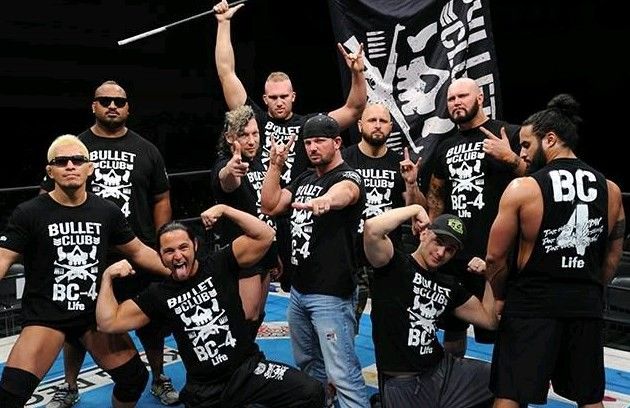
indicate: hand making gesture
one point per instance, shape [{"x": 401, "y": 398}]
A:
[
  {"x": 497, "y": 147},
  {"x": 354, "y": 61},
  {"x": 236, "y": 167},
  {"x": 279, "y": 152},
  {"x": 409, "y": 169}
]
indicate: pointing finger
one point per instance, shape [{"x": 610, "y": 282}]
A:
[{"x": 237, "y": 149}]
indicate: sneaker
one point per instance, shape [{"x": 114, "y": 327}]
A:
[
  {"x": 164, "y": 391},
  {"x": 64, "y": 397}
]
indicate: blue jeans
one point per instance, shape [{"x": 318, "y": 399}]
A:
[{"x": 322, "y": 337}]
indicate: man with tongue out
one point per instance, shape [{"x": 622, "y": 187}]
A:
[{"x": 201, "y": 302}]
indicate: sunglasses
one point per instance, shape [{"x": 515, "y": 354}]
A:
[
  {"x": 62, "y": 161},
  {"x": 105, "y": 101}
]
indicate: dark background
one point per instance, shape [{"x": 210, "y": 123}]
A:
[{"x": 54, "y": 53}]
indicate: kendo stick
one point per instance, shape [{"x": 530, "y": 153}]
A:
[{"x": 164, "y": 28}]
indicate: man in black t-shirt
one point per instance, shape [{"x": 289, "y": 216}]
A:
[
  {"x": 325, "y": 205},
  {"x": 128, "y": 171},
  {"x": 391, "y": 181},
  {"x": 471, "y": 170},
  {"x": 567, "y": 221},
  {"x": 409, "y": 296},
  {"x": 63, "y": 237},
  {"x": 278, "y": 122},
  {"x": 237, "y": 178},
  {"x": 201, "y": 303}
]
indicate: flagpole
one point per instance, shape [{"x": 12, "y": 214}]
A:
[{"x": 164, "y": 28}]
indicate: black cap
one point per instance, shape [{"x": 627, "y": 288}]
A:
[
  {"x": 321, "y": 126},
  {"x": 450, "y": 226}
]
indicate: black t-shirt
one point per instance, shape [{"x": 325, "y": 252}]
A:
[
  {"x": 128, "y": 171},
  {"x": 206, "y": 315},
  {"x": 323, "y": 247},
  {"x": 407, "y": 301},
  {"x": 65, "y": 250},
  {"x": 562, "y": 277},
  {"x": 245, "y": 198},
  {"x": 281, "y": 130},
  {"x": 384, "y": 186},
  {"x": 474, "y": 182}
]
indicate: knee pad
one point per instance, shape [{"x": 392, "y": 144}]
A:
[
  {"x": 130, "y": 379},
  {"x": 17, "y": 386}
]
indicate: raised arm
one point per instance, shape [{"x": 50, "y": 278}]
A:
[
  {"x": 377, "y": 245},
  {"x": 436, "y": 197},
  {"x": 112, "y": 317},
  {"x": 257, "y": 236},
  {"x": 350, "y": 112},
  {"x": 233, "y": 89},
  {"x": 616, "y": 233}
]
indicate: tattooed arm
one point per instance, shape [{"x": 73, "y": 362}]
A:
[{"x": 436, "y": 197}]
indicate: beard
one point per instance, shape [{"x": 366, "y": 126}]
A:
[
  {"x": 375, "y": 142},
  {"x": 537, "y": 162},
  {"x": 111, "y": 124},
  {"x": 467, "y": 117}
]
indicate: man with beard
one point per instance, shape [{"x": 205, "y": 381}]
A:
[
  {"x": 389, "y": 182},
  {"x": 237, "y": 178},
  {"x": 567, "y": 221},
  {"x": 129, "y": 171},
  {"x": 326, "y": 204},
  {"x": 200, "y": 301},
  {"x": 471, "y": 171}
]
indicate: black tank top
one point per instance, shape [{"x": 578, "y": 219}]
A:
[{"x": 562, "y": 277}]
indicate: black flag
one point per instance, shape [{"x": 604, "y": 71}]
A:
[{"x": 413, "y": 49}]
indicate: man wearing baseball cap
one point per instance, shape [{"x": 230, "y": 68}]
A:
[
  {"x": 325, "y": 204},
  {"x": 410, "y": 294}
]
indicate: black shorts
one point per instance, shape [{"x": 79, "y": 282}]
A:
[
  {"x": 474, "y": 284},
  {"x": 531, "y": 352},
  {"x": 73, "y": 333}
]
